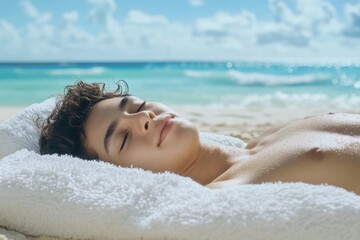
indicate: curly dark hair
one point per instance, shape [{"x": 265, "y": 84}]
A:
[{"x": 63, "y": 131}]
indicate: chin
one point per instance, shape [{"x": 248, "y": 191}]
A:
[
  {"x": 187, "y": 128},
  {"x": 184, "y": 138}
]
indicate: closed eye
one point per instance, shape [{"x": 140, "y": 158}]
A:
[
  {"x": 123, "y": 144},
  {"x": 127, "y": 133},
  {"x": 141, "y": 106}
]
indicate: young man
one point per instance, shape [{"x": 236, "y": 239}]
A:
[{"x": 115, "y": 127}]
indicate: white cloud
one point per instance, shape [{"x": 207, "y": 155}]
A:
[
  {"x": 38, "y": 33},
  {"x": 352, "y": 14},
  {"x": 102, "y": 10},
  {"x": 70, "y": 17},
  {"x": 9, "y": 38},
  {"x": 7, "y": 29},
  {"x": 308, "y": 14},
  {"x": 317, "y": 16},
  {"x": 283, "y": 34},
  {"x": 310, "y": 29},
  {"x": 300, "y": 26},
  {"x": 223, "y": 24},
  {"x": 139, "y": 17},
  {"x": 32, "y": 12},
  {"x": 71, "y": 36},
  {"x": 280, "y": 11},
  {"x": 196, "y": 3}
]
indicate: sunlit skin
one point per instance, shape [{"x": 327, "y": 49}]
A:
[
  {"x": 322, "y": 149},
  {"x": 136, "y": 135}
]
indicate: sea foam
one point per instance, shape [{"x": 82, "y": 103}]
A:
[{"x": 244, "y": 78}]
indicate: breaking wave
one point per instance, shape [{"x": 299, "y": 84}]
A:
[{"x": 243, "y": 78}]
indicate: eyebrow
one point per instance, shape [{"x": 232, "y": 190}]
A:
[
  {"x": 110, "y": 130},
  {"x": 123, "y": 103}
]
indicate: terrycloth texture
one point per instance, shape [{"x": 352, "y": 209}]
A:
[
  {"x": 71, "y": 198},
  {"x": 11, "y": 235},
  {"x": 20, "y": 131},
  {"x": 64, "y": 197}
]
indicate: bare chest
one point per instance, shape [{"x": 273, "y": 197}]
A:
[{"x": 318, "y": 150}]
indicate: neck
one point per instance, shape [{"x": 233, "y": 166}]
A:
[{"x": 212, "y": 161}]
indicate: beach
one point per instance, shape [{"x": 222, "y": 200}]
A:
[
  {"x": 239, "y": 122},
  {"x": 240, "y": 99},
  {"x": 8, "y": 112},
  {"x": 249, "y": 123}
]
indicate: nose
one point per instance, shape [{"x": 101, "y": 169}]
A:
[{"x": 140, "y": 122}]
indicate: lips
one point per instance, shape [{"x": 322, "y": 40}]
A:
[{"x": 163, "y": 128}]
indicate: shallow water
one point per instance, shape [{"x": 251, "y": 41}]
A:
[{"x": 193, "y": 83}]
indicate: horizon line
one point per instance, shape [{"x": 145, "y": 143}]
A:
[{"x": 284, "y": 61}]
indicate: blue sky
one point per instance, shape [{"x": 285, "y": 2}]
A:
[{"x": 142, "y": 30}]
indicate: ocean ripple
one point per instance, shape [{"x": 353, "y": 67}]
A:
[
  {"x": 79, "y": 71},
  {"x": 243, "y": 78}
]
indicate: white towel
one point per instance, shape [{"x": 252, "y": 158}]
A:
[
  {"x": 21, "y": 131},
  {"x": 67, "y": 197}
]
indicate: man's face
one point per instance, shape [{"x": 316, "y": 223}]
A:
[{"x": 127, "y": 131}]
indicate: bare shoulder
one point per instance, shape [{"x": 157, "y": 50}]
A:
[
  {"x": 335, "y": 117},
  {"x": 339, "y": 123},
  {"x": 327, "y": 122},
  {"x": 343, "y": 123},
  {"x": 318, "y": 149}
]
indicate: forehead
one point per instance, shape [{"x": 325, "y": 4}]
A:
[
  {"x": 99, "y": 113},
  {"x": 104, "y": 104},
  {"x": 110, "y": 104},
  {"x": 103, "y": 112},
  {"x": 97, "y": 121}
]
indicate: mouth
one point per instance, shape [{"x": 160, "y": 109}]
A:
[{"x": 164, "y": 128}]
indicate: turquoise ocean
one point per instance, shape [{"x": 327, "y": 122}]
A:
[{"x": 192, "y": 83}]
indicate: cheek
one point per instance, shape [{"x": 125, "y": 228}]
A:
[
  {"x": 185, "y": 134},
  {"x": 144, "y": 155},
  {"x": 180, "y": 149},
  {"x": 137, "y": 156},
  {"x": 183, "y": 146},
  {"x": 161, "y": 108}
]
